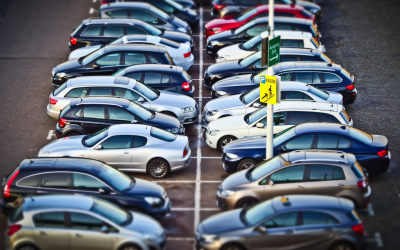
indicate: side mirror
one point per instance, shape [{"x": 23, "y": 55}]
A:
[
  {"x": 271, "y": 182},
  {"x": 257, "y": 105},
  {"x": 134, "y": 121},
  {"x": 104, "y": 229},
  {"x": 141, "y": 99},
  {"x": 260, "y": 125},
  {"x": 254, "y": 67},
  {"x": 96, "y": 66},
  {"x": 283, "y": 148},
  {"x": 246, "y": 36},
  {"x": 262, "y": 229},
  {"x": 98, "y": 147},
  {"x": 104, "y": 190}
]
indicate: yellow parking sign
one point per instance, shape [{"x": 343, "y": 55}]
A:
[{"x": 270, "y": 89}]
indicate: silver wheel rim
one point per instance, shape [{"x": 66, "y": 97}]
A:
[
  {"x": 225, "y": 141},
  {"x": 158, "y": 168},
  {"x": 342, "y": 247},
  {"x": 130, "y": 248},
  {"x": 246, "y": 165}
]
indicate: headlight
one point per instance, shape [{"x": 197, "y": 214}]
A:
[
  {"x": 231, "y": 156},
  {"x": 60, "y": 75},
  {"x": 224, "y": 57},
  {"x": 173, "y": 130},
  {"x": 227, "y": 193},
  {"x": 214, "y": 43},
  {"x": 187, "y": 109},
  {"x": 182, "y": 30},
  {"x": 215, "y": 29},
  {"x": 214, "y": 132},
  {"x": 220, "y": 93},
  {"x": 212, "y": 112},
  {"x": 153, "y": 237},
  {"x": 208, "y": 239},
  {"x": 153, "y": 200}
]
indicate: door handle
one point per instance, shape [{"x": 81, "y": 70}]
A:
[
  {"x": 78, "y": 235},
  {"x": 42, "y": 233},
  {"x": 340, "y": 185},
  {"x": 41, "y": 192},
  {"x": 300, "y": 187},
  {"x": 126, "y": 153}
]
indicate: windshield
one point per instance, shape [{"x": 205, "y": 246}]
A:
[
  {"x": 169, "y": 43},
  {"x": 114, "y": 177},
  {"x": 140, "y": 111},
  {"x": 256, "y": 78},
  {"x": 160, "y": 13},
  {"x": 146, "y": 90},
  {"x": 245, "y": 14},
  {"x": 251, "y": 43},
  {"x": 258, "y": 213},
  {"x": 153, "y": 30},
  {"x": 93, "y": 56},
  {"x": 255, "y": 116},
  {"x": 93, "y": 139},
  {"x": 250, "y": 59},
  {"x": 250, "y": 96},
  {"x": 318, "y": 92},
  {"x": 284, "y": 135},
  {"x": 244, "y": 27},
  {"x": 118, "y": 41},
  {"x": 110, "y": 211},
  {"x": 65, "y": 110},
  {"x": 266, "y": 167},
  {"x": 175, "y": 4},
  {"x": 162, "y": 134}
]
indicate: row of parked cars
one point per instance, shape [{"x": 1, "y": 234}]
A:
[{"x": 121, "y": 101}]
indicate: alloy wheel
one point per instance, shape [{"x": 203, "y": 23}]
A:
[
  {"x": 158, "y": 169},
  {"x": 246, "y": 165},
  {"x": 225, "y": 141}
]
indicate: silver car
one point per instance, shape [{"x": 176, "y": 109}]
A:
[
  {"x": 129, "y": 147},
  {"x": 180, "y": 106},
  {"x": 241, "y": 104},
  {"x": 64, "y": 222}
]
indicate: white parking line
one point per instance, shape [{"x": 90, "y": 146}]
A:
[
  {"x": 94, "y": 1},
  {"x": 370, "y": 210},
  {"x": 378, "y": 240},
  {"x": 203, "y": 97},
  {"x": 180, "y": 238},
  {"x": 51, "y": 134},
  {"x": 91, "y": 11},
  {"x": 206, "y": 157}
]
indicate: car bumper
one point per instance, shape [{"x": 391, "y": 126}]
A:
[
  {"x": 202, "y": 246},
  {"x": 181, "y": 163},
  {"x": 52, "y": 113},
  {"x": 185, "y": 63},
  {"x": 230, "y": 165},
  {"x": 225, "y": 203},
  {"x": 188, "y": 118},
  {"x": 350, "y": 97},
  {"x": 159, "y": 212},
  {"x": 62, "y": 132},
  {"x": 211, "y": 140}
]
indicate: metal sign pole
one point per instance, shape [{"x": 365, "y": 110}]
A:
[{"x": 270, "y": 107}]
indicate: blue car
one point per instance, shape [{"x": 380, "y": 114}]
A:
[{"x": 371, "y": 151}]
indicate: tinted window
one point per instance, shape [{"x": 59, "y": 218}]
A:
[
  {"x": 289, "y": 59},
  {"x": 152, "y": 78},
  {"x": 306, "y": 77},
  {"x": 131, "y": 30},
  {"x": 109, "y": 60},
  {"x": 153, "y": 60},
  {"x": 292, "y": 43},
  {"x": 134, "y": 58},
  {"x": 85, "y": 222},
  {"x": 323, "y": 117},
  {"x": 358, "y": 170},
  {"x": 59, "y": 89},
  {"x": 30, "y": 181},
  {"x": 295, "y": 95},
  {"x": 316, "y": 218},
  {"x": 331, "y": 77},
  {"x": 94, "y": 113},
  {"x": 282, "y": 26},
  {"x": 298, "y": 117},
  {"x": 135, "y": 76},
  {"x": 122, "y": 13},
  {"x": 87, "y": 183},
  {"x": 282, "y": 220},
  {"x": 286, "y": 76},
  {"x": 117, "y": 142},
  {"x": 127, "y": 94},
  {"x": 78, "y": 92},
  {"x": 115, "y": 31},
  {"x": 308, "y": 59},
  {"x": 258, "y": 29},
  {"x": 162, "y": 134},
  {"x": 92, "y": 31},
  {"x": 343, "y": 143},
  {"x": 103, "y": 91},
  {"x": 279, "y": 118},
  {"x": 321, "y": 173},
  {"x": 17, "y": 214},
  {"x": 288, "y": 175},
  {"x": 51, "y": 219},
  {"x": 143, "y": 15},
  {"x": 117, "y": 114},
  {"x": 139, "y": 141},
  {"x": 55, "y": 180},
  {"x": 327, "y": 141},
  {"x": 300, "y": 142},
  {"x": 338, "y": 173},
  {"x": 65, "y": 110}
]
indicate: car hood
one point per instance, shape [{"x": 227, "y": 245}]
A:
[
  {"x": 233, "y": 81},
  {"x": 227, "y": 102},
  {"x": 179, "y": 22},
  {"x": 223, "y": 67},
  {"x": 220, "y": 35},
  {"x": 228, "y": 123},
  {"x": 175, "y": 100},
  {"x": 233, "y": 181},
  {"x": 68, "y": 65},
  {"x": 78, "y": 53},
  {"x": 252, "y": 142},
  {"x": 233, "y": 52},
  {"x": 146, "y": 188},
  {"x": 217, "y": 23},
  {"x": 176, "y": 36},
  {"x": 64, "y": 144},
  {"x": 161, "y": 120},
  {"x": 144, "y": 224},
  {"x": 223, "y": 222}
]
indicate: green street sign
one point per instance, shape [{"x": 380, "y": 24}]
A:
[{"x": 274, "y": 51}]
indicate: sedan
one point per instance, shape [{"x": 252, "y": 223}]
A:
[
  {"x": 190, "y": 4},
  {"x": 132, "y": 148}
]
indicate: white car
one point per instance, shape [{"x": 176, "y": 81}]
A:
[
  {"x": 289, "y": 39},
  {"x": 286, "y": 114},
  {"x": 242, "y": 104},
  {"x": 180, "y": 52}
]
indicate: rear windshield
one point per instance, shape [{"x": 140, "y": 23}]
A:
[
  {"x": 246, "y": 14},
  {"x": 76, "y": 30},
  {"x": 169, "y": 58},
  {"x": 93, "y": 139},
  {"x": 59, "y": 89},
  {"x": 186, "y": 76},
  {"x": 358, "y": 170},
  {"x": 162, "y": 134},
  {"x": 314, "y": 42},
  {"x": 306, "y": 13},
  {"x": 354, "y": 216},
  {"x": 345, "y": 116},
  {"x": 153, "y": 30},
  {"x": 250, "y": 96},
  {"x": 146, "y": 90},
  {"x": 360, "y": 135},
  {"x": 346, "y": 74},
  {"x": 318, "y": 92},
  {"x": 17, "y": 214},
  {"x": 169, "y": 43},
  {"x": 65, "y": 110}
]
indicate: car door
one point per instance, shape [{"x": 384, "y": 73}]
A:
[
  {"x": 93, "y": 119},
  {"x": 54, "y": 183},
  {"x": 251, "y": 32},
  {"x": 84, "y": 184},
  {"x": 303, "y": 141},
  {"x": 107, "y": 64},
  {"x": 325, "y": 179},
  {"x": 94, "y": 34},
  {"x": 132, "y": 96},
  {"x": 134, "y": 58},
  {"x": 279, "y": 124},
  {"x": 157, "y": 80},
  {"x": 50, "y": 231},
  {"x": 330, "y": 82},
  {"x": 140, "y": 153},
  {"x": 115, "y": 150},
  {"x": 86, "y": 233}
]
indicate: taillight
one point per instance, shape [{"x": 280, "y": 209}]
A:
[
  {"x": 187, "y": 54},
  {"x": 358, "y": 228},
  {"x": 186, "y": 86},
  {"x": 13, "y": 229},
  {"x": 6, "y": 191},
  {"x": 73, "y": 41},
  {"x": 185, "y": 151},
  {"x": 383, "y": 153},
  {"x": 316, "y": 39},
  {"x": 350, "y": 87},
  {"x": 218, "y": 7},
  {"x": 103, "y": 2},
  {"x": 362, "y": 184},
  {"x": 62, "y": 122},
  {"x": 53, "y": 101}
]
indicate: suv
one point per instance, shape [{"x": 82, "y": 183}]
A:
[
  {"x": 90, "y": 115},
  {"x": 80, "y": 176},
  {"x": 110, "y": 59},
  {"x": 103, "y": 31}
]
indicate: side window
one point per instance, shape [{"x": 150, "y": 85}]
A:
[
  {"x": 132, "y": 30},
  {"x": 163, "y": 6},
  {"x": 85, "y": 222},
  {"x": 257, "y": 29},
  {"x": 152, "y": 78},
  {"x": 317, "y": 218},
  {"x": 321, "y": 173},
  {"x": 153, "y": 60},
  {"x": 101, "y": 91},
  {"x": 117, "y": 114},
  {"x": 282, "y": 220},
  {"x": 306, "y": 97},
  {"x": 165, "y": 79},
  {"x": 55, "y": 180},
  {"x": 300, "y": 142},
  {"x": 49, "y": 220},
  {"x": 327, "y": 118},
  {"x": 308, "y": 58},
  {"x": 109, "y": 60},
  {"x": 143, "y": 15},
  {"x": 306, "y": 77},
  {"x": 327, "y": 141},
  {"x": 265, "y": 14},
  {"x": 30, "y": 181},
  {"x": 117, "y": 142},
  {"x": 122, "y": 13},
  {"x": 292, "y": 43},
  {"x": 113, "y": 31},
  {"x": 343, "y": 143},
  {"x": 294, "y": 95},
  {"x": 286, "y": 76},
  {"x": 298, "y": 117},
  {"x": 134, "y": 58},
  {"x": 289, "y": 58},
  {"x": 79, "y": 113},
  {"x": 139, "y": 141},
  {"x": 282, "y": 26},
  {"x": 258, "y": 64},
  {"x": 279, "y": 118},
  {"x": 316, "y": 78},
  {"x": 92, "y": 31},
  {"x": 288, "y": 175},
  {"x": 135, "y": 76},
  {"x": 331, "y": 77},
  {"x": 127, "y": 94},
  {"x": 94, "y": 113},
  {"x": 338, "y": 173},
  {"x": 78, "y": 92},
  {"x": 87, "y": 183}
]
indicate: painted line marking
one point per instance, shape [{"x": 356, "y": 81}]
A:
[
  {"x": 206, "y": 157},
  {"x": 91, "y": 11},
  {"x": 51, "y": 134},
  {"x": 378, "y": 240},
  {"x": 180, "y": 238},
  {"x": 94, "y": 1},
  {"x": 370, "y": 210},
  {"x": 204, "y": 97}
]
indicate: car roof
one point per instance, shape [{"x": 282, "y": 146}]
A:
[
  {"x": 285, "y": 85},
  {"x": 322, "y": 127},
  {"x": 280, "y": 67},
  {"x": 320, "y": 156},
  {"x": 101, "y": 100},
  {"x": 283, "y": 203},
  {"x": 135, "y": 47},
  {"x": 137, "y": 37},
  {"x": 113, "y": 21},
  {"x": 129, "y": 129},
  {"x": 287, "y": 34},
  {"x": 280, "y": 7},
  {"x": 59, "y": 202},
  {"x": 285, "y": 20},
  {"x": 300, "y": 51},
  {"x": 307, "y": 105},
  {"x": 139, "y": 5},
  {"x": 101, "y": 80},
  {"x": 154, "y": 67},
  {"x": 87, "y": 165}
]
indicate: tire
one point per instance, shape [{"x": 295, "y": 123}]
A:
[
  {"x": 27, "y": 247},
  {"x": 130, "y": 247},
  {"x": 169, "y": 113},
  {"x": 246, "y": 164},
  {"x": 225, "y": 140},
  {"x": 246, "y": 202},
  {"x": 136, "y": 209},
  {"x": 343, "y": 245},
  {"x": 233, "y": 247},
  {"x": 158, "y": 168},
  {"x": 73, "y": 133}
]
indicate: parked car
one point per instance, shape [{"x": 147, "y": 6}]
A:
[
  {"x": 286, "y": 114},
  {"x": 103, "y": 31},
  {"x": 185, "y": 3},
  {"x": 249, "y": 102},
  {"x": 161, "y": 77},
  {"x": 180, "y": 52},
  {"x": 147, "y": 13},
  {"x": 80, "y": 222},
  {"x": 127, "y": 147},
  {"x": 235, "y": 21},
  {"x": 371, "y": 151},
  {"x": 60, "y": 176},
  {"x": 301, "y": 43},
  {"x": 313, "y": 222},
  {"x": 182, "y": 107},
  {"x": 255, "y": 28},
  {"x": 110, "y": 59}
]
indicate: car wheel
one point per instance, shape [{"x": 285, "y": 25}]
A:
[
  {"x": 136, "y": 209},
  {"x": 73, "y": 133},
  {"x": 225, "y": 140},
  {"x": 246, "y": 164},
  {"x": 158, "y": 168},
  {"x": 130, "y": 247},
  {"x": 233, "y": 247},
  {"x": 341, "y": 246},
  {"x": 27, "y": 247},
  {"x": 169, "y": 113},
  {"x": 246, "y": 202}
]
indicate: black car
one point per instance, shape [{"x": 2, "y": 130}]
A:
[
  {"x": 103, "y": 31},
  {"x": 223, "y": 8},
  {"x": 80, "y": 176},
  {"x": 326, "y": 76},
  {"x": 110, "y": 59},
  {"x": 168, "y": 6},
  {"x": 162, "y": 77},
  {"x": 256, "y": 27},
  {"x": 185, "y": 3},
  {"x": 89, "y": 115},
  {"x": 371, "y": 151}
]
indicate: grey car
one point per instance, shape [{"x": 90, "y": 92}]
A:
[
  {"x": 181, "y": 106},
  {"x": 332, "y": 173},
  {"x": 66, "y": 222},
  {"x": 128, "y": 147},
  {"x": 309, "y": 222}
]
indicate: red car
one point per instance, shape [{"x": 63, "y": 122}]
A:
[{"x": 232, "y": 22}]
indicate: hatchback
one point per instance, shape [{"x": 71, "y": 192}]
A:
[
  {"x": 371, "y": 151},
  {"x": 81, "y": 176},
  {"x": 146, "y": 13},
  {"x": 313, "y": 222},
  {"x": 110, "y": 59},
  {"x": 185, "y": 3},
  {"x": 66, "y": 222},
  {"x": 89, "y": 115}
]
